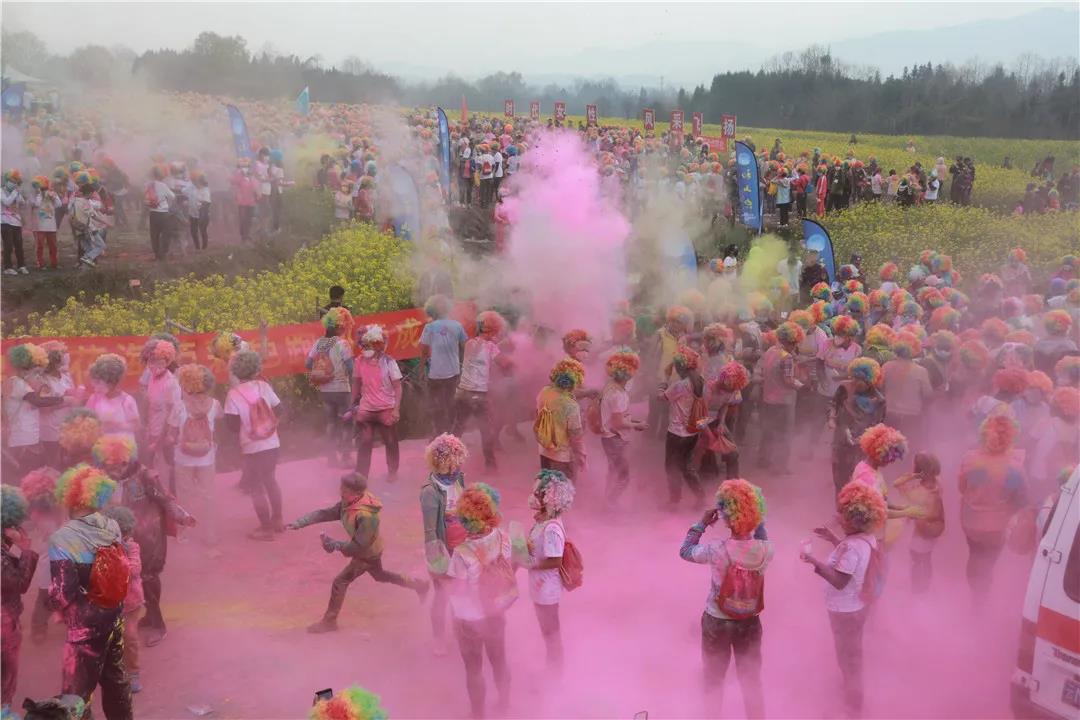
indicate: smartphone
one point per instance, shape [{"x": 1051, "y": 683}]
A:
[{"x": 326, "y": 694}]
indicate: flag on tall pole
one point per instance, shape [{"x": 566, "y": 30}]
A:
[
  {"x": 816, "y": 238},
  {"x": 749, "y": 191},
  {"x": 464, "y": 111},
  {"x": 303, "y": 102}
]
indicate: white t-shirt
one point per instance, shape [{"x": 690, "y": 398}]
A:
[
  {"x": 489, "y": 159},
  {"x": 465, "y": 567},
  {"x": 177, "y": 419},
  {"x": 830, "y": 379},
  {"x": 339, "y": 352},
  {"x": 236, "y": 403},
  {"x": 613, "y": 401},
  {"x": 165, "y": 197},
  {"x": 22, "y": 418},
  {"x": 476, "y": 370},
  {"x": 498, "y": 164},
  {"x": 932, "y": 188},
  {"x": 162, "y": 395},
  {"x": 118, "y": 415},
  {"x": 680, "y": 395},
  {"x": 851, "y": 557},
  {"x": 546, "y": 540},
  {"x": 51, "y": 418}
]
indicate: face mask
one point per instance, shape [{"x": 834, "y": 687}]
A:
[
  {"x": 943, "y": 355},
  {"x": 839, "y": 342},
  {"x": 368, "y": 353}
]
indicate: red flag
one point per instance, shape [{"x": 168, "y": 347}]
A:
[{"x": 464, "y": 111}]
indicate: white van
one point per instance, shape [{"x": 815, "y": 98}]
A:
[{"x": 1046, "y": 683}]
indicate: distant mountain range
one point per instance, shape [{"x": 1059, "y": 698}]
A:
[{"x": 1048, "y": 33}]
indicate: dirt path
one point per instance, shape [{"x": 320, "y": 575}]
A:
[{"x": 237, "y": 639}]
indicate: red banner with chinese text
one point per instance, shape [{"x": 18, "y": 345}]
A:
[
  {"x": 560, "y": 111},
  {"x": 287, "y": 345},
  {"x": 649, "y": 119},
  {"x": 508, "y": 108},
  {"x": 716, "y": 144},
  {"x": 534, "y": 110},
  {"x": 697, "y": 120},
  {"x": 590, "y": 115}
]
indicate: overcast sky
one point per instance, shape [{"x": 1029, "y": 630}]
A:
[{"x": 470, "y": 38}]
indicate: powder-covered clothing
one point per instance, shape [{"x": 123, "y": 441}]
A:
[
  {"x": 157, "y": 513},
  {"x": 835, "y": 361},
  {"x": 135, "y": 599},
  {"x": 22, "y": 420},
  {"x": 546, "y": 540},
  {"x": 480, "y": 355},
  {"x": 72, "y": 549},
  {"x": 906, "y": 386},
  {"x": 992, "y": 489},
  {"x": 360, "y": 518},
  {"x": 466, "y": 564},
  {"x": 751, "y": 553},
  {"x": 680, "y": 396},
  {"x": 239, "y": 401},
  {"x": 778, "y": 377},
  {"x": 442, "y": 530},
  {"x": 52, "y": 417},
  {"x": 566, "y": 414},
  {"x": 162, "y": 395},
  {"x": 188, "y": 408},
  {"x": 16, "y": 575},
  {"x": 377, "y": 376},
  {"x": 339, "y": 352},
  {"x": 614, "y": 400},
  {"x": 445, "y": 337},
  {"x": 118, "y": 415},
  {"x": 851, "y": 557}
]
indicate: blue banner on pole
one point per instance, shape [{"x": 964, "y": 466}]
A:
[
  {"x": 404, "y": 210},
  {"x": 816, "y": 238},
  {"x": 444, "y": 154},
  {"x": 303, "y": 102},
  {"x": 241, "y": 141},
  {"x": 749, "y": 189},
  {"x": 12, "y": 97}
]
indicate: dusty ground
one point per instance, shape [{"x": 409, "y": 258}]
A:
[{"x": 237, "y": 639}]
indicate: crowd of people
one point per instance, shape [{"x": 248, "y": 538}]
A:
[{"x": 741, "y": 367}]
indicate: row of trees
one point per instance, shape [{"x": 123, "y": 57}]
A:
[{"x": 807, "y": 90}]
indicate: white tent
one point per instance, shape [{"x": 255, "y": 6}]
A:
[{"x": 12, "y": 75}]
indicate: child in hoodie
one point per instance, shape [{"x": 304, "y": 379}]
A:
[{"x": 358, "y": 512}]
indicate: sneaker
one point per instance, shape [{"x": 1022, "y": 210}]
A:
[
  {"x": 11, "y": 271},
  {"x": 133, "y": 681},
  {"x": 262, "y": 534},
  {"x": 325, "y": 625},
  {"x": 88, "y": 261},
  {"x": 24, "y": 271}
]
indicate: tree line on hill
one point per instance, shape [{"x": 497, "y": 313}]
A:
[{"x": 806, "y": 90}]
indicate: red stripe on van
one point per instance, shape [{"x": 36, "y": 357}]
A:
[{"x": 1058, "y": 629}]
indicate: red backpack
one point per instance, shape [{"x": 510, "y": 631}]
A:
[
  {"x": 109, "y": 577},
  {"x": 742, "y": 593},
  {"x": 150, "y": 196},
  {"x": 322, "y": 366},
  {"x": 262, "y": 422},
  {"x": 572, "y": 568},
  {"x": 196, "y": 437},
  {"x": 874, "y": 579},
  {"x": 593, "y": 419}
]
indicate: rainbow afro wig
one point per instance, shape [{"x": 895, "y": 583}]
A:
[
  {"x": 622, "y": 365},
  {"x": 685, "y": 357},
  {"x": 478, "y": 509},
  {"x": 245, "y": 365},
  {"x": 1067, "y": 370},
  {"x": 733, "y": 377},
  {"x": 681, "y": 316},
  {"x": 490, "y": 322},
  {"x": 742, "y": 505},
  {"x": 997, "y": 433},
  {"x": 857, "y": 303},
  {"x": 623, "y": 329},
  {"x": 114, "y": 450},
  {"x": 437, "y": 306},
  {"x": 802, "y": 318},
  {"x": 1057, "y": 322},
  {"x": 39, "y": 486},
  {"x": 865, "y": 370},
  {"x": 715, "y": 335},
  {"x": 338, "y": 319},
  {"x": 790, "y": 333},
  {"x": 955, "y": 297},
  {"x": 944, "y": 318},
  {"x": 567, "y": 374},
  {"x": 910, "y": 309},
  {"x": 821, "y": 291},
  {"x": 445, "y": 454},
  {"x": 906, "y": 346},
  {"x": 888, "y": 272},
  {"x": 13, "y": 506},
  {"x": 27, "y": 356},
  {"x": 944, "y": 340},
  {"x": 195, "y": 379},
  {"x": 555, "y": 490},
  {"x": 862, "y": 508},
  {"x": 356, "y": 703},
  {"x": 878, "y": 300},
  {"x": 1021, "y": 337},
  {"x": 845, "y": 326},
  {"x": 993, "y": 331},
  {"x": 1033, "y": 304},
  {"x": 974, "y": 356},
  {"x": 821, "y": 312},
  {"x": 372, "y": 336},
  {"x": 1018, "y": 255},
  {"x": 79, "y": 431},
  {"x": 109, "y": 369},
  {"x": 161, "y": 350},
  {"x": 880, "y": 336},
  {"x": 224, "y": 345},
  {"x": 1065, "y": 403},
  {"x": 1011, "y": 380},
  {"x": 883, "y": 444},
  {"x": 853, "y": 286},
  {"x": 84, "y": 486},
  {"x": 1037, "y": 380}
]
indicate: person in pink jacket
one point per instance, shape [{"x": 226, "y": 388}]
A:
[{"x": 246, "y": 193}]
